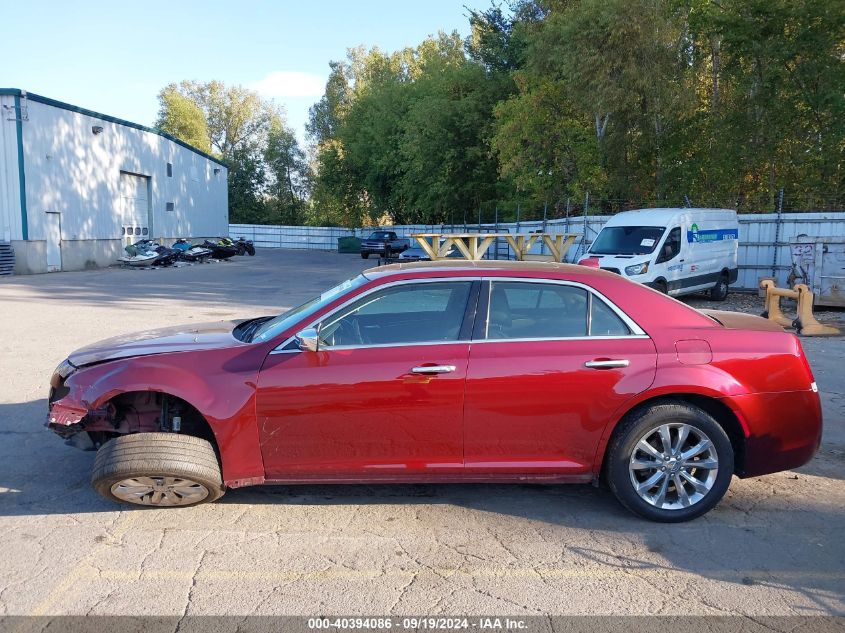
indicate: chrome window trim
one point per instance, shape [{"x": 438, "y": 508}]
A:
[
  {"x": 279, "y": 349},
  {"x": 560, "y": 338},
  {"x": 474, "y": 342},
  {"x": 636, "y": 330}
]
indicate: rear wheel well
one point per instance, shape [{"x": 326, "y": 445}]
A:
[
  {"x": 156, "y": 411},
  {"x": 717, "y": 410}
]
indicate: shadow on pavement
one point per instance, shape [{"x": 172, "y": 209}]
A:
[{"x": 757, "y": 535}]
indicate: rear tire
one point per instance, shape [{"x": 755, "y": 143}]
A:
[
  {"x": 365, "y": 255},
  {"x": 158, "y": 470},
  {"x": 646, "y": 479},
  {"x": 719, "y": 292}
]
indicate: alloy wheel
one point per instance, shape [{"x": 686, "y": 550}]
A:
[
  {"x": 673, "y": 466},
  {"x": 159, "y": 491}
]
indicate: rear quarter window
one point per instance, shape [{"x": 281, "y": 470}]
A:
[{"x": 604, "y": 321}]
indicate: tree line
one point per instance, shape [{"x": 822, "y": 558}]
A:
[
  {"x": 269, "y": 176},
  {"x": 547, "y": 102}
]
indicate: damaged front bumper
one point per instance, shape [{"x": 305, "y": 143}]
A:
[
  {"x": 68, "y": 422},
  {"x": 72, "y": 421}
]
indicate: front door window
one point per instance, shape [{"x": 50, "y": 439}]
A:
[{"x": 404, "y": 314}]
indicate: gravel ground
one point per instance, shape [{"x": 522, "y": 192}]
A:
[
  {"x": 752, "y": 303},
  {"x": 774, "y": 546}
]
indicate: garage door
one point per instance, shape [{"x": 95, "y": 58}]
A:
[{"x": 135, "y": 207}]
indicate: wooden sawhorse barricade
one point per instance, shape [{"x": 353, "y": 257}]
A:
[
  {"x": 473, "y": 246},
  {"x": 805, "y": 323}
]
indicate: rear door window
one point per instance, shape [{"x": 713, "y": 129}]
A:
[
  {"x": 535, "y": 310},
  {"x": 525, "y": 310}
]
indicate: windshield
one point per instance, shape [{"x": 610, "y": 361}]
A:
[
  {"x": 380, "y": 235},
  {"x": 277, "y": 325},
  {"x": 627, "y": 240}
]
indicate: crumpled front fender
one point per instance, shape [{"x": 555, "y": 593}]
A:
[{"x": 220, "y": 384}]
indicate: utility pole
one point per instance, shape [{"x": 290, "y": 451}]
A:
[
  {"x": 583, "y": 248},
  {"x": 777, "y": 234}
]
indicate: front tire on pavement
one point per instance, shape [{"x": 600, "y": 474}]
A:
[
  {"x": 158, "y": 470},
  {"x": 670, "y": 462}
]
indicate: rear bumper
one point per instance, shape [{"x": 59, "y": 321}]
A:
[{"x": 784, "y": 430}]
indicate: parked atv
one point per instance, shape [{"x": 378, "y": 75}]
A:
[{"x": 245, "y": 246}]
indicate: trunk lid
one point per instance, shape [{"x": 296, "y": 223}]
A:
[{"x": 742, "y": 321}]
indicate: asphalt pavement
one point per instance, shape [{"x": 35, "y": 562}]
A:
[{"x": 774, "y": 546}]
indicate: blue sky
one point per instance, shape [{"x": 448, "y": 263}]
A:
[{"x": 115, "y": 56}]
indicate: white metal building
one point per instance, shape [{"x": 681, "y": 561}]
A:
[{"x": 77, "y": 185}]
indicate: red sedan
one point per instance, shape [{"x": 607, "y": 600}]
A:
[{"x": 449, "y": 372}]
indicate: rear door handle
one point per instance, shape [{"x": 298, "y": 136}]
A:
[
  {"x": 607, "y": 364},
  {"x": 433, "y": 369}
]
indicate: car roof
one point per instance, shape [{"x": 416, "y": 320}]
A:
[{"x": 540, "y": 269}]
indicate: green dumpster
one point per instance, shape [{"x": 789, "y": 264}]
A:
[{"x": 349, "y": 245}]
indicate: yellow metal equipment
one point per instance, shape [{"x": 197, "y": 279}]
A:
[
  {"x": 805, "y": 323},
  {"x": 473, "y": 246}
]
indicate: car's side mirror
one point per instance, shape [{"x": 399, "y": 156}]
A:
[{"x": 308, "y": 339}]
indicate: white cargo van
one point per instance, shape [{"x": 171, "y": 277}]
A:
[{"x": 676, "y": 251}]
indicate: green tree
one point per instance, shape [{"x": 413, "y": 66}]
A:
[
  {"x": 404, "y": 137},
  {"x": 448, "y": 165},
  {"x": 289, "y": 175},
  {"x": 545, "y": 144},
  {"x": 181, "y": 117},
  {"x": 634, "y": 101},
  {"x": 247, "y": 180},
  {"x": 268, "y": 175},
  {"x": 777, "y": 104},
  {"x": 235, "y": 117}
]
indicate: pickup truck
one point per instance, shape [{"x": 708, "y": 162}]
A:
[{"x": 383, "y": 243}]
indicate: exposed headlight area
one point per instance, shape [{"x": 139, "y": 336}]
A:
[
  {"x": 637, "y": 269},
  {"x": 65, "y": 369},
  {"x": 57, "y": 383}
]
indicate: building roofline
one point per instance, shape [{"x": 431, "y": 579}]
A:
[{"x": 105, "y": 117}]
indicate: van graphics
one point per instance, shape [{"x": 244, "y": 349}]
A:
[
  {"x": 711, "y": 235},
  {"x": 677, "y": 267}
]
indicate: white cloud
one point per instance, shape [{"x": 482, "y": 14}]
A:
[{"x": 290, "y": 83}]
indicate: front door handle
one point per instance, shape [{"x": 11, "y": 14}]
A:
[
  {"x": 433, "y": 369},
  {"x": 607, "y": 364}
]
